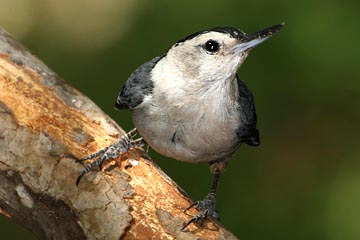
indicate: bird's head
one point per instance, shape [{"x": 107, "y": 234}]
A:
[{"x": 215, "y": 54}]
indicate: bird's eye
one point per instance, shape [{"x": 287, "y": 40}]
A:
[{"x": 212, "y": 46}]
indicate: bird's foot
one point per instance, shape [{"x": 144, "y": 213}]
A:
[
  {"x": 122, "y": 145},
  {"x": 206, "y": 209}
]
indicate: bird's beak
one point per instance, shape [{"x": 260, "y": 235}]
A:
[{"x": 249, "y": 41}]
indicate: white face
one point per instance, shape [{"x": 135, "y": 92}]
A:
[{"x": 211, "y": 56}]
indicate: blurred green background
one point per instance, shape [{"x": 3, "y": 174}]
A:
[{"x": 303, "y": 182}]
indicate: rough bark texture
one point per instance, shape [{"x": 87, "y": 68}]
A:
[{"x": 44, "y": 125}]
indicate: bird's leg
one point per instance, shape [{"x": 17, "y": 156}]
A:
[
  {"x": 122, "y": 145},
  {"x": 206, "y": 206}
]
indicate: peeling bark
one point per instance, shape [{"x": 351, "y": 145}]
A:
[{"x": 44, "y": 125}]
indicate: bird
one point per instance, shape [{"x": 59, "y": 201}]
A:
[{"x": 189, "y": 104}]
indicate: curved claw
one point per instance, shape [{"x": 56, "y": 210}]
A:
[
  {"x": 206, "y": 209},
  {"x": 123, "y": 144},
  {"x": 81, "y": 159},
  {"x": 93, "y": 155},
  {"x": 194, "y": 219},
  {"x": 79, "y": 177},
  {"x": 195, "y": 204},
  {"x": 200, "y": 218}
]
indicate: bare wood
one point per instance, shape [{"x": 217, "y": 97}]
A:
[{"x": 44, "y": 124}]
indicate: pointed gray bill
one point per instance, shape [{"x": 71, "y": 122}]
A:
[{"x": 251, "y": 40}]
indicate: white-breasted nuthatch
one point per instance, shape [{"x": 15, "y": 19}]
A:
[{"x": 190, "y": 105}]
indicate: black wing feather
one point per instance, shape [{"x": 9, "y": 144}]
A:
[
  {"x": 138, "y": 85},
  {"x": 248, "y": 131}
]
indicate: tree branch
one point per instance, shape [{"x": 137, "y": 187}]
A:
[{"x": 44, "y": 125}]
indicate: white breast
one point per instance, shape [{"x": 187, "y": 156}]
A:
[{"x": 187, "y": 119}]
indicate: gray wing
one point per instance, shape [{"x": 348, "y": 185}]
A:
[
  {"x": 138, "y": 85},
  {"x": 247, "y": 132}
]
